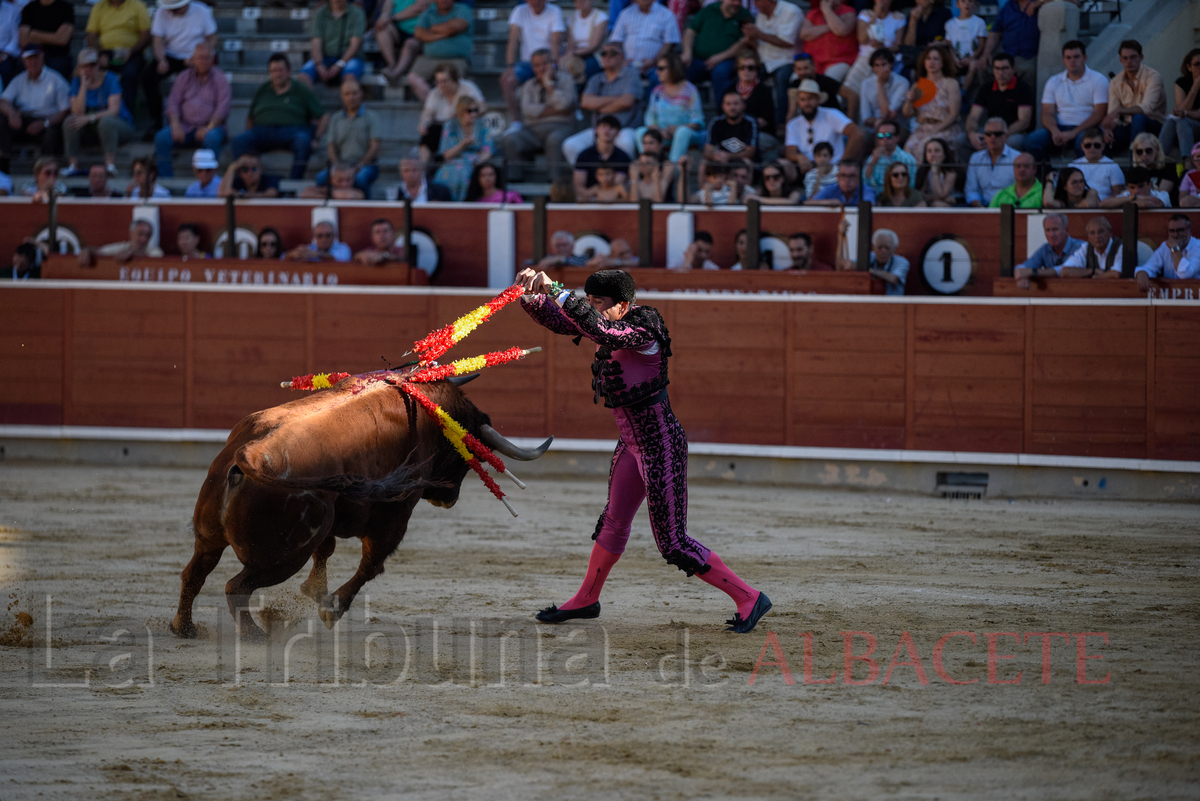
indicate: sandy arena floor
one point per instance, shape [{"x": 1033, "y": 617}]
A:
[{"x": 196, "y": 719}]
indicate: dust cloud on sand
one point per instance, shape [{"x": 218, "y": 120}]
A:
[{"x": 652, "y": 700}]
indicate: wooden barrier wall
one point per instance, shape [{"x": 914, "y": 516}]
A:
[
  {"x": 1098, "y": 378},
  {"x": 461, "y": 230}
]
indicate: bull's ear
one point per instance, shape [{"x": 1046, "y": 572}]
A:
[{"x": 459, "y": 380}]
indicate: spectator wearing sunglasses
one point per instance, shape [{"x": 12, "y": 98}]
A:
[
  {"x": 1100, "y": 172},
  {"x": 1073, "y": 101},
  {"x": 245, "y": 178},
  {"x": 887, "y": 151},
  {"x": 775, "y": 189},
  {"x": 897, "y": 188},
  {"x": 991, "y": 169}
]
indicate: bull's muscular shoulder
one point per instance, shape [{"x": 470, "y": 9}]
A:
[{"x": 324, "y": 433}]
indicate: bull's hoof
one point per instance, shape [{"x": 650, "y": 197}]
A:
[
  {"x": 184, "y": 631},
  {"x": 330, "y": 610}
]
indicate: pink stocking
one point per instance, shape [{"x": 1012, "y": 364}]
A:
[
  {"x": 599, "y": 564},
  {"x": 725, "y": 580}
]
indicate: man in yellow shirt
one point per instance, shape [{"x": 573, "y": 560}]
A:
[{"x": 122, "y": 29}]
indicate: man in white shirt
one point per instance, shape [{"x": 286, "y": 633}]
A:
[
  {"x": 1072, "y": 102},
  {"x": 1139, "y": 189},
  {"x": 178, "y": 26},
  {"x": 1099, "y": 258},
  {"x": 774, "y": 34},
  {"x": 648, "y": 31},
  {"x": 991, "y": 169},
  {"x": 533, "y": 25},
  {"x": 1100, "y": 172},
  {"x": 882, "y": 93},
  {"x": 816, "y": 123},
  {"x": 33, "y": 107},
  {"x": 1177, "y": 257}
]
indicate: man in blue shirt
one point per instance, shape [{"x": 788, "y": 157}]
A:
[
  {"x": 848, "y": 191},
  {"x": 1059, "y": 245},
  {"x": 1015, "y": 30},
  {"x": 207, "y": 184},
  {"x": 1177, "y": 257},
  {"x": 324, "y": 247}
]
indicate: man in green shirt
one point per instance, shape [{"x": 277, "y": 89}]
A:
[
  {"x": 444, "y": 34},
  {"x": 712, "y": 39},
  {"x": 337, "y": 34},
  {"x": 281, "y": 117},
  {"x": 1026, "y": 191}
]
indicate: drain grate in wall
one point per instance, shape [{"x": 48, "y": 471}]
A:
[{"x": 964, "y": 486}]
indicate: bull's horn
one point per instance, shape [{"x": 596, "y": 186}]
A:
[
  {"x": 459, "y": 380},
  {"x": 492, "y": 438}
]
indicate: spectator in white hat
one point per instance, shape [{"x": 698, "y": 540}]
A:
[{"x": 204, "y": 166}]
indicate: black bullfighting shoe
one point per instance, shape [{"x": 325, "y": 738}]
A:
[
  {"x": 552, "y": 614},
  {"x": 761, "y": 607}
]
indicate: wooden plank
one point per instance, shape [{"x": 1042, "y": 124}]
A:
[
  {"x": 1090, "y": 343},
  {"x": 68, "y": 357},
  {"x": 39, "y": 317},
  {"x": 126, "y": 348},
  {"x": 151, "y": 416},
  {"x": 31, "y": 414},
  {"x": 1089, "y": 393},
  {"x": 1027, "y": 411},
  {"x": 1090, "y": 318},
  {"x": 977, "y": 341},
  {"x": 1089, "y": 368},
  {"x": 848, "y": 315},
  {"x": 1179, "y": 395},
  {"x": 969, "y": 391},
  {"x": 717, "y": 384},
  {"x": 910, "y": 375},
  {"x": 1126, "y": 419},
  {"x": 1175, "y": 344},
  {"x": 41, "y": 391},
  {"x": 1181, "y": 319},
  {"x": 1151, "y": 447},
  {"x": 955, "y": 365},
  {"x": 850, "y": 436},
  {"x": 19, "y": 347},
  {"x": 189, "y": 360},
  {"x": 849, "y": 388},
  {"x": 865, "y": 413},
  {"x": 959, "y": 317},
  {"x": 985, "y": 440},
  {"x": 844, "y": 339}
]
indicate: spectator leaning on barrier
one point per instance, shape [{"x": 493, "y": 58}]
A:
[
  {"x": 45, "y": 180},
  {"x": 245, "y": 178},
  {"x": 98, "y": 113},
  {"x": 1006, "y": 97},
  {"x": 415, "y": 187},
  {"x": 620, "y": 256},
  {"x": 337, "y": 33},
  {"x": 648, "y": 32},
  {"x": 50, "y": 24},
  {"x": 800, "y": 248},
  {"x": 270, "y": 245},
  {"x": 444, "y": 34},
  {"x": 178, "y": 27},
  {"x": 883, "y": 94},
  {"x": 1073, "y": 101},
  {"x": 698, "y": 255},
  {"x": 990, "y": 170},
  {"x": 1099, "y": 258},
  {"x": 615, "y": 93},
  {"x": 1136, "y": 102},
  {"x": 324, "y": 246},
  {"x": 887, "y": 151},
  {"x": 884, "y": 264},
  {"x": 1139, "y": 190},
  {"x": 532, "y": 26},
  {"x": 187, "y": 239},
  {"x": 204, "y": 167},
  {"x": 122, "y": 28},
  {"x": 561, "y": 252},
  {"x": 830, "y": 36},
  {"x": 547, "y": 109},
  {"x": 774, "y": 33},
  {"x": 197, "y": 109},
  {"x": 34, "y": 104},
  {"x": 354, "y": 137},
  {"x": 384, "y": 249},
  {"x": 712, "y": 39},
  {"x": 136, "y": 247},
  {"x": 97, "y": 184},
  {"x": 26, "y": 264},
  {"x": 1025, "y": 192},
  {"x": 1177, "y": 257},
  {"x": 816, "y": 123},
  {"x": 848, "y": 191},
  {"x": 1046, "y": 260},
  {"x": 281, "y": 117}
]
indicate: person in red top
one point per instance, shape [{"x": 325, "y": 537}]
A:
[{"x": 830, "y": 36}]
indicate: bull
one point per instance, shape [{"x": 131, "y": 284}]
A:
[{"x": 352, "y": 460}]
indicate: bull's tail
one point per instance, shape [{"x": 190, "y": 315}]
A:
[{"x": 403, "y": 482}]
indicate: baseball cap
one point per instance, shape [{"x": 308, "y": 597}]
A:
[
  {"x": 204, "y": 160},
  {"x": 31, "y": 50}
]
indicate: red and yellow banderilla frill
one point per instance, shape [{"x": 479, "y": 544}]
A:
[{"x": 429, "y": 349}]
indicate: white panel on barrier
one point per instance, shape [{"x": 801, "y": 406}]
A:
[
  {"x": 326, "y": 214},
  {"x": 1035, "y": 234},
  {"x": 502, "y": 248},
  {"x": 681, "y": 230}
]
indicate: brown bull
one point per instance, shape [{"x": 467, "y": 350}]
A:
[{"x": 349, "y": 461}]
